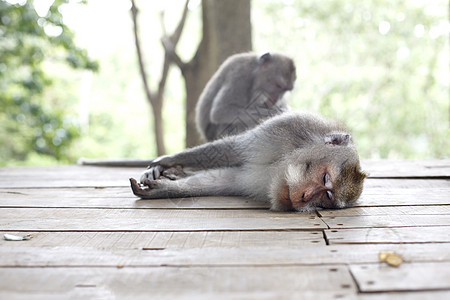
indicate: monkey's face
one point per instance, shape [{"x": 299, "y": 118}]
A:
[
  {"x": 275, "y": 77},
  {"x": 328, "y": 176}
]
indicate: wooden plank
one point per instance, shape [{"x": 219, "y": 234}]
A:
[
  {"x": 415, "y": 295},
  {"x": 169, "y": 240},
  {"x": 377, "y": 185},
  {"x": 387, "y": 221},
  {"x": 49, "y": 219},
  {"x": 114, "y": 197},
  {"x": 66, "y": 192},
  {"x": 390, "y": 210},
  {"x": 407, "y": 277},
  {"x": 437, "y": 234},
  {"x": 92, "y": 253},
  {"x": 121, "y": 162},
  {"x": 66, "y": 176},
  {"x": 407, "y": 168},
  {"x": 177, "y": 282},
  {"x": 378, "y": 196},
  {"x": 122, "y": 197}
]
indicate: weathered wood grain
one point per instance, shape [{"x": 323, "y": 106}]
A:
[
  {"x": 121, "y": 162},
  {"x": 49, "y": 219},
  {"x": 115, "y": 197},
  {"x": 407, "y": 168},
  {"x": 413, "y": 295},
  {"x": 177, "y": 282},
  {"x": 438, "y": 234},
  {"x": 94, "y": 254},
  {"x": 387, "y": 221},
  {"x": 400, "y": 184},
  {"x": 66, "y": 176},
  {"x": 39, "y": 194},
  {"x": 389, "y": 210},
  {"x": 169, "y": 240},
  {"x": 121, "y": 197},
  {"x": 417, "y": 195},
  {"x": 407, "y": 277}
]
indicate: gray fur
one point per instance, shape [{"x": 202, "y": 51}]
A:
[
  {"x": 289, "y": 149},
  {"x": 246, "y": 89}
]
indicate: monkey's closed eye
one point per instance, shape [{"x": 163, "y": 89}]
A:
[
  {"x": 327, "y": 181},
  {"x": 330, "y": 195}
]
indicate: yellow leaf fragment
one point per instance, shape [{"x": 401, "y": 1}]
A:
[
  {"x": 383, "y": 255},
  {"x": 391, "y": 258},
  {"x": 394, "y": 260}
]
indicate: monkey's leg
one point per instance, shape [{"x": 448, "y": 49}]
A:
[{"x": 219, "y": 182}]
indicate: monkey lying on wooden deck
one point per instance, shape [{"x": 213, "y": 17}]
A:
[{"x": 295, "y": 161}]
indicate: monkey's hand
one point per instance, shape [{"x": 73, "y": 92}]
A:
[
  {"x": 138, "y": 190},
  {"x": 144, "y": 190},
  {"x": 152, "y": 173},
  {"x": 159, "y": 172}
]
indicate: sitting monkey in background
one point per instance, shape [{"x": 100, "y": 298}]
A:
[
  {"x": 246, "y": 89},
  {"x": 295, "y": 161}
]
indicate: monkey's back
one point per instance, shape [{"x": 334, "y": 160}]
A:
[{"x": 233, "y": 77}]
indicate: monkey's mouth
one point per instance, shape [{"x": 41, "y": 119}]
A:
[
  {"x": 302, "y": 204},
  {"x": 300, "y": 201}
]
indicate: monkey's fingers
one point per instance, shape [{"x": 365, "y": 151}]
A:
[
  {"x": 152, "y": 173},
  {"x": 138, "y": 190}
]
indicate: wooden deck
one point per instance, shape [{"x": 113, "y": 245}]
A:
[{"x": 92, "y": 239}]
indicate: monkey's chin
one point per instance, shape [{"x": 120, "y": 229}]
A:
[
  {"x": 306, "y": 209},
  {"x": 285, "y": 204},
  {"x": 301, "y": 206}
]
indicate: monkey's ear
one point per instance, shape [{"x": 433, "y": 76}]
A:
[
  {"x": 265, "y": 58},
  {"x": 337, "y": 139}
]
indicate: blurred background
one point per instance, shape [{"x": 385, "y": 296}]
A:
[{"x": 71, "y": 85}]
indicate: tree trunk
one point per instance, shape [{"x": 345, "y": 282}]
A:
[
  {"x": 158, "y": 127},
  {"x": 226, "y": 31},
  {"x": 155, "y": 102},
  {"x": 156, "y": 99}
]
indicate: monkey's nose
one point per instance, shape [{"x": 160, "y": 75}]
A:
[{"x": 305, "y": 197}]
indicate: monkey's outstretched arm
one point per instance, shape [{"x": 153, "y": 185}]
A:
[
  {"x": 203, "y": 183},
  {"x": 224, "y": 153}
]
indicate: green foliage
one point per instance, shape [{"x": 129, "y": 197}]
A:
[
  {"x": 380, "y": 66},
  {"x": 29, "y": 123}
]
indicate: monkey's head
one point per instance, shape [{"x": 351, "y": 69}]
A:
[
  {"x": 325, "y": 175},
  {"x": 274, "y": 76}
]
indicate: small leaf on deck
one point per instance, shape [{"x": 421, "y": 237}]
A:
[
  {"x": 12, "y": 237},
  {"x": 391, "y": 258}
]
